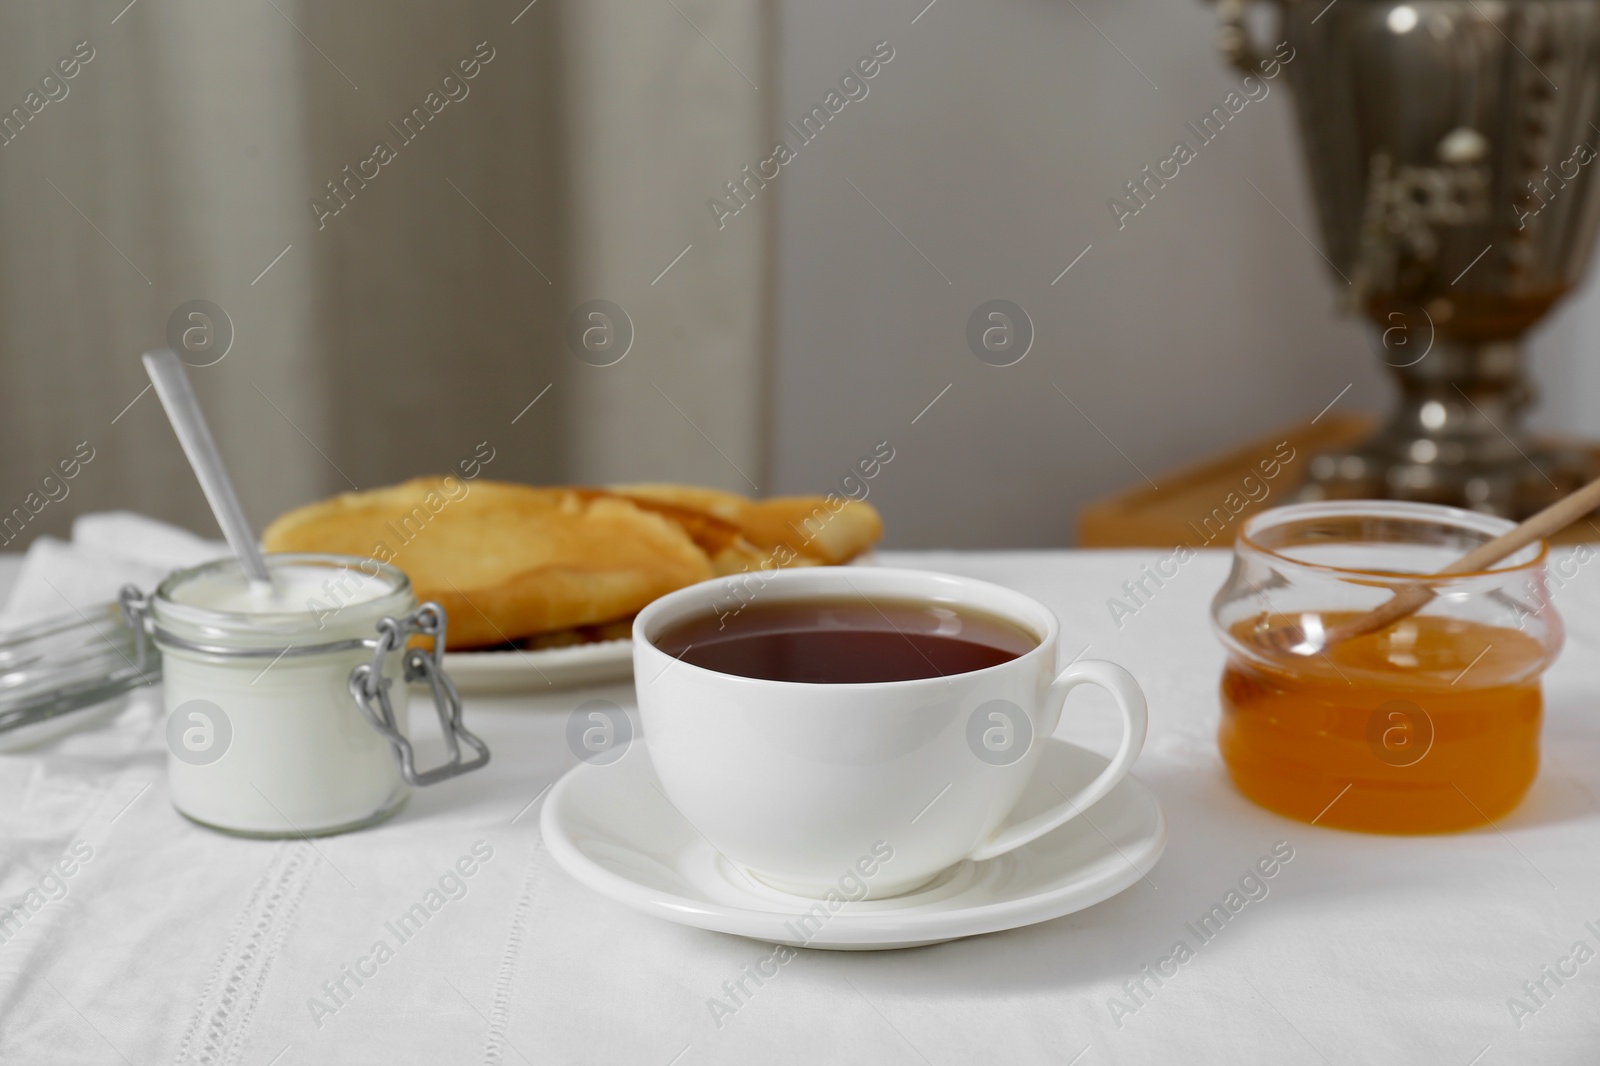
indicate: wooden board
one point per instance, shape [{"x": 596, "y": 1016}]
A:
[{"x": 1202, "y": 505}]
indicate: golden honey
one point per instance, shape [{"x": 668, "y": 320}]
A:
[{"x": 1429, "y": 725}]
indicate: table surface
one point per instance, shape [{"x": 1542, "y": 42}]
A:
[{"x": 171, "y": 944}]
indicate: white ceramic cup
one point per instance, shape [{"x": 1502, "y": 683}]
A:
[{"x": 807, "y": 785}]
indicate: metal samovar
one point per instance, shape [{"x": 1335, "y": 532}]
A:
[{"x": 1452, "y": 146}]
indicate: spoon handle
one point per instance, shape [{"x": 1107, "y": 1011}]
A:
[
  {"x": 189, "y": 423},
  {"x": 1411, "y": 599},
  {"x": 1551, "y": 520}
]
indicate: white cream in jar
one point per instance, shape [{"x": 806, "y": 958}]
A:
[{"x": 264, "y": 736}]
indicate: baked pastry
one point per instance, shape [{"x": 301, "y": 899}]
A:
[
  {"x": 506, "y": 561},
  {"x": 813, "y": 529},
  {"x": 550, "y": 567},
  {"x": 722, "y": 541}
]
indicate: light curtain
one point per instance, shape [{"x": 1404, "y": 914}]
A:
[{"x": 422, "y": 308}]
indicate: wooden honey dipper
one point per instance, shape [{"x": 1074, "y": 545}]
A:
[{"x": 1413, "y": 598}]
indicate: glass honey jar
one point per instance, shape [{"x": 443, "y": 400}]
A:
[{"x": 1426, "y": 725}]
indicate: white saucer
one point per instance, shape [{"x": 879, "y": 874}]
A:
[{"x": 610, "y": 827}]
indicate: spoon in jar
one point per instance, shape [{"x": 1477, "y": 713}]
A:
[
  {"x": 1412, "y": 598},
  {"x": 189, "y": 423}
]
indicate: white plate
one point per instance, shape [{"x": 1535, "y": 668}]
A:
[
  {"x": 488, "y": 672},
  {"x": 611, "y": 828}
]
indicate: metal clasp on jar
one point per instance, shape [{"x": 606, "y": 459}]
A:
[
  {"x": 371, "y": 693},
  {"x": 367, "y": 684}
]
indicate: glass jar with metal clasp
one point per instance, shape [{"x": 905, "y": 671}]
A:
[{"x": 287, "y": 705}]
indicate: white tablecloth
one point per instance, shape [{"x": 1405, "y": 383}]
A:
[{"x": 170, "y": 944}]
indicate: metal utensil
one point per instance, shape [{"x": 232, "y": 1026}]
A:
[{"x": 189, "y": 423}]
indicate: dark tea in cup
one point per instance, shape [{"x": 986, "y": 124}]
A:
[{"x": 844, "y": 641}]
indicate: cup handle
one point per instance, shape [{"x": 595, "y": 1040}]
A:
[{"x": 1135, "y": 720}]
